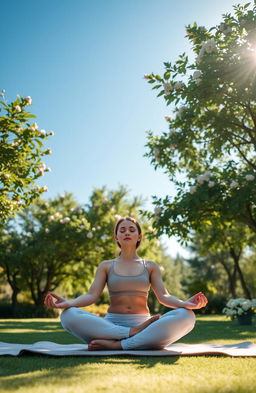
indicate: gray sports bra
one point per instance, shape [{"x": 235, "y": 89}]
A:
[{"x": 128, "y": 285}]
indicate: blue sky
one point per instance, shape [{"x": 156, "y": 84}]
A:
[{"x": 83, "y": 62}]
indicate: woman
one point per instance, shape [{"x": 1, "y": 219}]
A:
[{"x": 128, "y": 324}]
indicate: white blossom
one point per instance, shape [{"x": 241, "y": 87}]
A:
[
  {"x": 7, "y": 176},
  {"x": 246, "y": 305},
  {"x": 158, "y": 210},
  {"x": 210, "y": 46},
  {"x": 47, "y": 230},
  {"x": 201, "y": 179},
  {"x": 249, "y": 177},
  {"x": 18, "y": 108},
  {"x": 51, "y": 218},
  {"x": 211, "y": 184},
  {"x": 29, "y": 100},
  {"x": 45, "y": 188},
  {"x": 240, "y": 311},
  {"x": 227, "y": 30},
  {"x": 48, "y": 170},
  {"x": 167, "y": 88},
  {"x": 168, "y": 118},
  {"x": 66, "y": 219},
  {"x": 181, "y": 111},
  {"x": 197, "y": 74},
  {"x": 192, "y": 189},
  {"x": 89, "y": 235},
  {"x": 117, "y": 217},
  {"x": 178, "y": 85},
  {"x": 42, "y": 132},
  {"x": 147, "y": 76},
  {"x": 222, "y": 26},
  {"x": 157, "y": 154},
  {"x": 234, "y": 184}
]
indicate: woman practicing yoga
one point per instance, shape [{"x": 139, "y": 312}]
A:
[{"x": 128, "y": 323}]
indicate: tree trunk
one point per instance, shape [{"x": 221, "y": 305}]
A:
[
  {"x": 231, "y": 278},
  {"x": 236, "y": 258}
]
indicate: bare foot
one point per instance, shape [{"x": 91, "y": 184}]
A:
[
  {"x": 143, "y": 325},
  {"x": 96, "y": 345}
]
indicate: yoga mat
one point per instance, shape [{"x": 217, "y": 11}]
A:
[{"x": 246, "y": 348}]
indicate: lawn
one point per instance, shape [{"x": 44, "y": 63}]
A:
[{"x": 188, "y": 374}]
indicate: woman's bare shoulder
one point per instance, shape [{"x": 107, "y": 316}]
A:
[
  {"x": 152, "y": 265},
  {"x": 105, "y": 264}
]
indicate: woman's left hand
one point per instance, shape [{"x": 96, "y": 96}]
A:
[{"x": 195, "y": 302}]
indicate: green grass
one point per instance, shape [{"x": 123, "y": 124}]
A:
[{"x": 118, "y": 374}]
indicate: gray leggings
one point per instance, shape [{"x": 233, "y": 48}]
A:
[{"x": 168, "y": 328}]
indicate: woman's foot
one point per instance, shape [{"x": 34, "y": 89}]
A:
[
  {"x": 96, "y": 345},
  {"x": 143, "y": 325}
]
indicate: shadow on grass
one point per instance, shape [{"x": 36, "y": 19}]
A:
[
  {"x": 31, "y": 370},
  {"x": 209, "y": 330}
]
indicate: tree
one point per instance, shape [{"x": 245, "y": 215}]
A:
[
  {"x": 211, "y": 140},
  {"x": 21, "y": 152},
  {"x": 59, "y": 243},
  {"x": 225, "y": 246}
]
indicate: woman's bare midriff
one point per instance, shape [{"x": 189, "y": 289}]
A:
[{"x": 128, "y": 305}]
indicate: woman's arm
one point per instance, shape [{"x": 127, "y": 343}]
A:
[
  {"x": 84, "y": 300},
  {"x": 163, "y": 296}
]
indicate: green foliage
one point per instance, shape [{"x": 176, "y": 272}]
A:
[
  {"x": 58, "y": 244},
  {"x": 211, "y": 138},
  {"x": 21, "y": 153}
]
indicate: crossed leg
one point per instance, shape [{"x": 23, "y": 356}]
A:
[
  {"x": 87, "y": 326},
  {"x": 169, "y": 328}
]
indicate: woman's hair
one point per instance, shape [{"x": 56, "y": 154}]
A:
[{"x": 129, "y": 219}]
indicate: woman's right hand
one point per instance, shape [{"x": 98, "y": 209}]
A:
[{"x": 60, "y": 303}]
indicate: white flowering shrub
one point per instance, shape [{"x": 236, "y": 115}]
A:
[
  {"x": 239, "y": 307},
  {"x": 21, "y": 154},
  {"x": 213, "y": 103}
]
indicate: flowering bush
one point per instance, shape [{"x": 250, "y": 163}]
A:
[
  {"x": 238, "y": 307},
  {"x": 21, "y": 153}
]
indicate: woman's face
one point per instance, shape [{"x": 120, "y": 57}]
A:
[{"x": 127, "y": 233}]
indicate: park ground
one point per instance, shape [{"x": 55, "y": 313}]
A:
[{"x": 122, "y": 374}]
